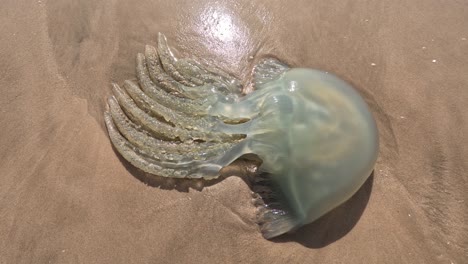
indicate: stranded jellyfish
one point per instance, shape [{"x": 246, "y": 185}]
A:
[{"x": 314, "y": 134}]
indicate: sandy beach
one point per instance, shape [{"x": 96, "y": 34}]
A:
[{"x": 66, "y": 196}]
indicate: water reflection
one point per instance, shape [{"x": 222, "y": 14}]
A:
[
  {"x": 219, "y": 23},
  {"x": 224, "y": 34}
]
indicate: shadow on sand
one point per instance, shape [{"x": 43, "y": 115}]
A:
[{"x": 335, "y": 224}]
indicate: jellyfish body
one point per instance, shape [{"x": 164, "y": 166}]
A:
[{"x": 315, "y": 135}]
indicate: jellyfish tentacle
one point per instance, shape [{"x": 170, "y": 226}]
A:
[
  {"x": 136, "y": 159},
  {"x": 158, "y": 75},
  {"x": 202, "y": 123},
  {"x": 234, "y": 153},
  {"x": 135, "y": 136},
  {"x": 208, "y": 84},
  {"x": 212, "y": 167},
  {"x": 163, "y": 130},
  {"x": 149, "y": 105},
  {"x": 191, "y": 73},
  {"x": 246, "y": 107},
  {"x": 266, "y": 70},
  {"x": 168, "y": 61},
  {"x": 140, "y": 159},
  {"x": 193, "y": 70},
  {"x": 273, "y": 223},
  {"x": 246, "y": 146},
  {"x": 242, "y": 128},
  {"x": 186, "y": 105},
  {"x": 158, "y": 129},
  {"x": 204, "y": 127},
  {"x": 160, "y": 149},
  {"x": 167, "y": 83},
  {"x": 206, "y": 78},
  {"x": 213, "y": 75}
]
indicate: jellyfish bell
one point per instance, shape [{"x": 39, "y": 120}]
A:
[
  {"x": 331, "y": 144},
  {"x": 313, "y": 132}
]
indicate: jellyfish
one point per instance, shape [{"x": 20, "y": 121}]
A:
[{"x": 314, "y": 134}]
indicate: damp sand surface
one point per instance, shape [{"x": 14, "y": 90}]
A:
[{"x": 67, "y": 197}]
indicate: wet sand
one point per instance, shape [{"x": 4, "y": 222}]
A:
[{"x": 67, "y": 197}]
